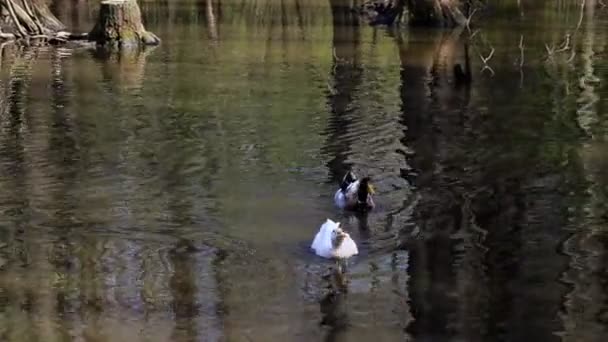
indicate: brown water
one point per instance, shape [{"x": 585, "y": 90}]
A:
[{"x": 172, "y": 195}]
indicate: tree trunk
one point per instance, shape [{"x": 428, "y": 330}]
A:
[
  {"x": 45, "y": 15},
  {"x": 119, "y": 24},
  {"x": 30, "y": 18},
  {"x": 438, "y": 13}
]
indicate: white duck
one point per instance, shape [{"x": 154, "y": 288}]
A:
[
  {"x": 332, "y": 242},
  {"x": 355, "y": 194}
]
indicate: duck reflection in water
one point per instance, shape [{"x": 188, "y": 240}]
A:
[
  {"x": 333, "y": 303},
  {"x": 332, "y": 242}
]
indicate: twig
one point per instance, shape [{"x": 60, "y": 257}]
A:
[
  {"x": 72, "y": 36},
  {"x": 571, "y": 57},
  {"x": 336, "y": 58},
  {"x": 550, "y": 51},
  {"x": 521, "y": 50},
  {"x": 601, "y": 2},
  {"x": 468, "y": 20},
  {"x": 487, "y": 67},
  {"x": 580, "y": 19},
  {"x": 485, "y": 61},
  {"x": 566, "y": 45}
]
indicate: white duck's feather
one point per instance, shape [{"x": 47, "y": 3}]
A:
[{"x": 323, "y": 243}]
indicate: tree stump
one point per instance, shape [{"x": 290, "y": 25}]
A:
[{"x": 119, "y": 24}]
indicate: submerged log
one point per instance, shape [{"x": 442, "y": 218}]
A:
[{"x": 119, "y": 24}]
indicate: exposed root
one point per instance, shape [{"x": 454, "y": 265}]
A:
[
  {"x": 7, "y": 36},
  {"x": 29, "y": 24},
  {"x": 11, "y": 10},
  {"x": 33, "y": 16},
  {"x": 33, "y": 22}
]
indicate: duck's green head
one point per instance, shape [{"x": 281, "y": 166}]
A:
[{"x": 365, "y": 189}]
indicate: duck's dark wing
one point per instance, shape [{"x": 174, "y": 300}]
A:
[{"x": 347, "y": 180}]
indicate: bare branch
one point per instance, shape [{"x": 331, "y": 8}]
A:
[
  {"x": 571, "y": 57},
  {"x": 486, "y": 59},
  {"x": 580, "y": 19},
  {"x": 550, "y": 51},
  {"x": 566, "y": 44},
  {"x": 487, "y": 67},
  {"x": 468, "y": 20},
  {"x": 521, "y": 50}
]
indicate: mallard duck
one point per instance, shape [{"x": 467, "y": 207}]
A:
[
  {"x": 355, "y": 194},
  {"x": 333, "y": 242}
]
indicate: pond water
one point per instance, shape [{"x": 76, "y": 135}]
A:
[{"x": 172, "y": 194}]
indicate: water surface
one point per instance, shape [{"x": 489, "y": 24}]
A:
[{"x": 172, "y": 194}]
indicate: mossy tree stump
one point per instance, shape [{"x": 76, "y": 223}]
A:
[{"x": 119, "y": 24}]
